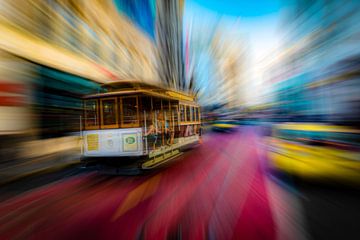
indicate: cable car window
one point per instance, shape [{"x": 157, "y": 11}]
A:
[
  {"x": 109, "y": 111},
  {"x": 195, "y": 114},
  {"x": 175, "y": 114},
  {"x": 91, "y": 113},
  {"x": 130, "y": 111},
  {"x": 146, "y": 110},
  {"x": 156, "y": 104},
  {"x": 165, "y": 105},
  {"x": 188, "y": 115},
  {"x": 192, "y": 114},
  {"x": 182, "y": 113}
]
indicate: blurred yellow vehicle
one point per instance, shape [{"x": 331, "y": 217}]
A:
[
  {"x": 315, "y": 151},
  {"x": 223, "y": 125}
]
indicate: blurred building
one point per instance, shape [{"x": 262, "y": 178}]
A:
[
  {"x": 316, "y": 76},
  {"x": 229, "y": 58},
  {"x": 215, "y": 56},
  {"x": 170, "y": 42},
  {"x": 89, "y": 34},
  {"x": 52, "y": 52}
]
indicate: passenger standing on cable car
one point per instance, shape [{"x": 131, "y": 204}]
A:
[
  {"x": 152, "y": 135},
  {"x": 168, "y": 132}
]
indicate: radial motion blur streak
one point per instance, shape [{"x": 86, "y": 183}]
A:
[
  {"x": 195, "y": 196},
  {"x": 179, "y": 119}
]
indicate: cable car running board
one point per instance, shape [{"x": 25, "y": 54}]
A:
[{"x": 161, "y": 159}]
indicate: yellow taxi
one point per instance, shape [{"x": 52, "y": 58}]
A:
[
  {"x": 223, "y": 125},
  {"x": 316, "y": 151}
]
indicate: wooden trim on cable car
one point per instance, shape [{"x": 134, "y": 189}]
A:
[
  {"x": 188, "y": 123},
  {"x": 164, "y": 95},
  {"x": 199, "y": 117}
]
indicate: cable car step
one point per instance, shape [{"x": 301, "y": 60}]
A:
[{"x": 161, "y": 159}]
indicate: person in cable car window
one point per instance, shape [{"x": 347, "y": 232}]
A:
[
  {"x": 188, "y": 131},
  {"x": 152, "y": 135},
  {"x": 168, "y": 133}
]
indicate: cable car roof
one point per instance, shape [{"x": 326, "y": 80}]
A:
[{"x": 131, "y": 87}]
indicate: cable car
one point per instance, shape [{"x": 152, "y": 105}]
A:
[{"x": 141, "y": 123}]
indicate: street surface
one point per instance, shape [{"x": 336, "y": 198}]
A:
[{"x": 220, "y": 190}]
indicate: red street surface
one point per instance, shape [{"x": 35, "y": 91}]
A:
[{"x": 219, "y": 190}]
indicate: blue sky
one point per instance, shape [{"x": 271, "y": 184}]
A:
[
  {"x": 259, "y": 19},
  {"x": 257, "y": 22},
  {"x": 242, "y": 8}
]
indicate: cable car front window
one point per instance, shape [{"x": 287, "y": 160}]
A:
[
  {"x": 130, "y": 111},
  {"x": 188, "y": 114},
  {"x": 182, "y": 113},
  {"x": 192, "y": 111},
  {"x": 109, "y": 111},
  {"x": 195, "y": 114},
  {"x": 91, "y": 114}
]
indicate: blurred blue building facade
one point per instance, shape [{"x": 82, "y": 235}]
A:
[
  {"x": 318, "y": 76},
  {"x": 140, "y": 12}
]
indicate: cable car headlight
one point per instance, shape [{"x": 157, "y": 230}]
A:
[{"x": 110, "y": 143}]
